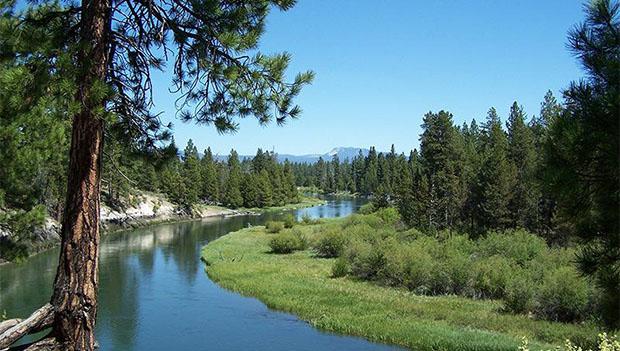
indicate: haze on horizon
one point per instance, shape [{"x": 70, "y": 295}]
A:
[{"x": 379, "y": 69}]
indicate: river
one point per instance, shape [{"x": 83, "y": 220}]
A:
[{"x": 155, "y": 295}]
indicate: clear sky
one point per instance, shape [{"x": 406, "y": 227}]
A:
[{"x": 381, "y": 65}]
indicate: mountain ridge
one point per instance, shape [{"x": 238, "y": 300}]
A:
[{"x": 343, "y": 153}]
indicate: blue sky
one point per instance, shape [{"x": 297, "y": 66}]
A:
[{"x": 381, "y": 65}]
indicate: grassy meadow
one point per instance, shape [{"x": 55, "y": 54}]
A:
[{"x": 303, "y": 283}]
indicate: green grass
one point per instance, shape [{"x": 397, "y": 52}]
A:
[{"x": 301, "y": 284}]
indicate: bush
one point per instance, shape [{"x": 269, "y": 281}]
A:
[
  {"x": 340, "y": 268},
  {"x": 517, "y": 245},
  {"x": 491, "y": 276},
  {"x": 366, "y": 209},
  {"x": 458, "y": 267},
  {"x": 285, "y": 242},
  {"x": 419, "y": 272},
  {"x": 365, "y": 260},
  {"x": 519, "y": 296},
  {"x": 274, "y": 227},
  {"x": 307, "y": 219},
  {"x": 397, "y": 258},
  {"x": 303, "y": 239},
  {"x": 371, "y": 220},
  {"x": 289, "y": 221},
  {"x": 563, "y": 296},
  {"x": 409, "y": 235},
  {"x": 389, "y": 215},
  {"x": 330, "y": 244}
]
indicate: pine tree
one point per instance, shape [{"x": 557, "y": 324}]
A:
[
  {"x": 472, "y": 160},
  {"x": 357, "y": 169},
  {"x": 192, "y": 175},
  {"x": 232, "y": 193},
  {"x": 265, "y": 190},
  {"x": 210, "y": 183},
  {"x": 249, "y": 191},
  {"x": 584, "y": 152},
  {"x": 278, "y": 196},
  {"x": 494, "y": 177},
  {"x": 338, "y": 180},
  {"x": 522, "y": 156},
  {"x": 440, "y": 157},
  {"x": 370, "y": 180},
  {"x": 290, "y": 188},
  {"x": 171, "y": 180},
  {"x": 548, "y": 220}
]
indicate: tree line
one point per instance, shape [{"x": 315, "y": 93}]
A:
[
  {"x": 252, "y": 182},
  {"x": 474, "y": 177}
]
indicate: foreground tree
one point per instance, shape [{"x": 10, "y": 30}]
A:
[
  {"x": 114, "y": 47},
  {"x": 584, "y": 146}
]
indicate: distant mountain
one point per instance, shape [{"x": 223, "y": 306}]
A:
[
  {"x": 346, "y": 152},
  {"x": 342, "y": 152}
]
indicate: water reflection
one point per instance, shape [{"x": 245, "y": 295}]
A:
[{"x": 154, "y": 294}]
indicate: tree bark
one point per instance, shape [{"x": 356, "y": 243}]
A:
[
  {"x": 75, "y": 287},
  {"x": 8, "y": 324},
  {"x": 41, "y": 319}
]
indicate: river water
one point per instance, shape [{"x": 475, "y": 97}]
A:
[{"x": 155, "y": 295}]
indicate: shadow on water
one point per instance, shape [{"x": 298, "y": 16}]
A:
[{"x": 155, "y": 295}]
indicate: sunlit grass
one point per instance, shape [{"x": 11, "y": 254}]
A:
[{"x": 301, "y": 284}]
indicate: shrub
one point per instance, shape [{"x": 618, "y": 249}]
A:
[
  {"x": 274, "y": 227},
  {"x": 409, "y": 235},
  {"x": 285, "y": 242},
  {"x": 303, "y": 239},
  {"x": 490, "y": 276},
  {"x": 371, "y": 220},
  {"x": 397, "y": 258},
  {"x": 389, "y": 215},
  {"x": 289, "y": 221},
  {"x": 363, "y": 231},
  {"x": 419, "y": 272},
  {"x": 365, "y": 260},
  {"x": 307, "y": 219},
  {"x": 517, "y": 245},
  {"x": 458, "y": 267},
  {"x": 563, "y": 296},
  {"x": 330, "y": 244},
  {"x": 519, "y": 295},
  {"x": 340, "y": 267},
  {"x": 366, "y": 209}
]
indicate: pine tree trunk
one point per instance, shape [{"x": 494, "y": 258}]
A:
[{"x": 75, "y": 288}]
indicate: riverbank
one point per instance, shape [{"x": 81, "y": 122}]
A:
[
  {"x": 149, "y": 209},
  {"x": 301, "y": 283}
]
